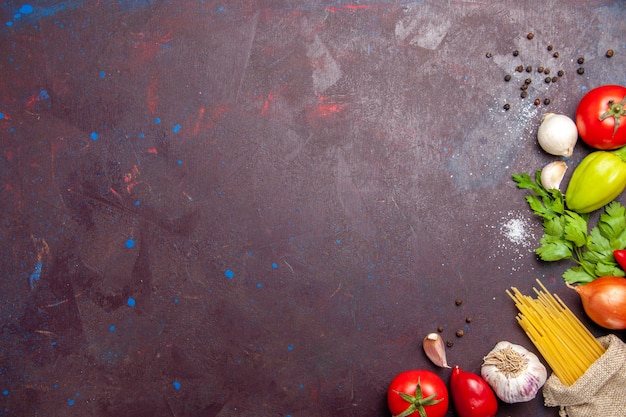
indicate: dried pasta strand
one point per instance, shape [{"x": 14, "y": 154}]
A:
[{"x": 565, "y": 343}]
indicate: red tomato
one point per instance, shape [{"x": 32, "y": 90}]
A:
[
  {"x": 471, "y": 395},
  {"x": 418, "y": 393},
  {"x": 599, "y": 117}
]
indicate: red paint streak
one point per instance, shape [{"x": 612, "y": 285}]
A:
[
  {"x": 152, "y": 95},
  {"x": 327, "y": 107},
  {"x": 266, "y": 104},
  {"x": 196, "y": 127},
  {"x": 353, "y": 7},
  {"x": 152, "y": 151}
]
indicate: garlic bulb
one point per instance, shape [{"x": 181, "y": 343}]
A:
[
  {"x": 552, "y": 174},
  {"x": 514, "y": 373},
  {"x": 557, "y": 134}
]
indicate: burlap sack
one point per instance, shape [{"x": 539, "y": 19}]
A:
[{"x": 600, "y": 392}]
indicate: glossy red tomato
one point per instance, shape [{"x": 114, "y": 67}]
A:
[
  {"x": 471, "y": 394},
  {"x": 601, "y": 117},
  {"x": 418, "y": 393}
]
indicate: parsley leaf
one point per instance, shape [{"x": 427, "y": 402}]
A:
[{"x": 567, "y": 235}]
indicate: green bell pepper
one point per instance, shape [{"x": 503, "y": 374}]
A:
[{"x": 597, "y": 180}]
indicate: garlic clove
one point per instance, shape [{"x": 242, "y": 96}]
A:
[
  {"x": 557, "y": 134},
  {"x": 435, "y": 349},
  {"x": 552, "y": 174}
]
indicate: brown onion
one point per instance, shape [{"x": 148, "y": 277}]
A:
[{"x": 604, "y": 301}]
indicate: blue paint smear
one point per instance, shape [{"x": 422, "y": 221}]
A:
[
  {"x": 94, "y": 136},
  {"x": 70, "y": 402},
  {"x": 36, "y": 275},
  {"x": 176, "y": 385},
  {"x": 275, "y": 265},
  {"x": 1, "y": 115},
  {"x": 131, "y": 302},
  {"x": 26, "y": 9},
  {"x": 157, "y": 120},
  {"x": 130, "y": 243},
  {"x": 229, "y": 274},
  {"x": 111, "y": 328},
  {"x": 103, "y": 74},
  {"x": 176, "y": 129},
  {"x": 5, "y": 392}
]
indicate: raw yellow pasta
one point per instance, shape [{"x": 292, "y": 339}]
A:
[{"x": 565, "y": 343}]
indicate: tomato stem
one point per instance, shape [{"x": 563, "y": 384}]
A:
[
  {"x": 616, "y": 111},
  {"x": 417, "y": 402}
]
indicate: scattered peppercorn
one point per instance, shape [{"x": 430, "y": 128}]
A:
[
  {"x": 459, "y": 333},
  {"x": 468, "y": 319},
  {"x": 528, "y": 81},
  {"x": 581, "y": 60},
  {"x": 537, "y": 102},
  {"x": 580, "y": 70},
  {"x": 546, "y": 101},
  {"x": 560, "y": 73},
  {"x": 556, "y": 54},
  {"x": 519, "y": 68},
  {"x": 458, "y": 301},
  {"x": 529, "y": 68},
  {"x": 523, "y": 87},
  {"x": 515, "y": 52},
  {"x": 547, "y": 80},
  {"x": 440, "y": 329},
  {"x": 546, "y": 71},
  {"x": 555, "y": 79},
  {"x": 550, "y": 47},
  {"x": 524, "y": 94},
  {"x": 507, "y": 77},
  {"x": 609, "y": 53},
  {"x": 506, "y": 107},
  {"x": 530, "y": 35},
  {"x": 488, "y": 55},
  {"x": 449, "y": 343}
]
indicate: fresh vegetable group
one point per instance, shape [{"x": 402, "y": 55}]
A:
[
  {"x": 599, "y": 253},
  {"x": 423, "y": 393}
]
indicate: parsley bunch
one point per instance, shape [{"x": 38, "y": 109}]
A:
[{"x": 567, "y": 236}]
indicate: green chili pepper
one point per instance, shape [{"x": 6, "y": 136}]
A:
[{"x": 597, "y": 180}]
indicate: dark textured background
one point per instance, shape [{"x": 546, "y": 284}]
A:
[{"x": 260, "y": 208}]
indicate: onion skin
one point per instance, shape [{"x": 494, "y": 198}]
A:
[{"x": 604, "y": 301}]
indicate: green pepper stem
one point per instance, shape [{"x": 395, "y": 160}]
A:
[{"x": 620, "y": 153}]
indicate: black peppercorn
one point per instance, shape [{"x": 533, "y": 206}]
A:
[
  {"x": 488, "y": 55},
  {"x": 524, "y": 94},
  {"x": 529, "y": 68},
  {"x": 506, "y": 107},
  {"x": 449, "y": 343},
  {"x": 610, "y": 53},
  {"x": 556, "y": 54},
  {"x": 528, "y": 81},
  {"x": 468, "y": 319},
  {"x": 560, "y": 73},
  {"x": 547, "y": 80},
  {"x": 537, "y": 102},
  {"x": 581, "y": 60},
  {"x": 546, "y": 101},
  {"x": 458, "y": 301},
  {"x": 530, "y": 35},
  {"x": 523, "y": 87},
  {"x": 515, "y": 52},
  {"x": 580, "y": 70},
  {"x": 519, "y": 68},
  {"x": 459, "y": 333},
  {"x": 555, "y": 79},
  {"x": 440, "y": 329},
  {"x": 507, "y": 77},
  {"x": 540, "y": 69},
  {"x": 546, "y": 71},
  {"x": 550, "y": 47}
]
